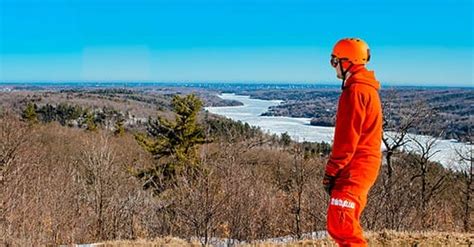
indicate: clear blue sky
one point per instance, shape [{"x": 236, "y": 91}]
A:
[{"x": 424, "y": 42}]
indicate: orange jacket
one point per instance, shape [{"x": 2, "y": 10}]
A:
[{"x": 356, "y": 156}]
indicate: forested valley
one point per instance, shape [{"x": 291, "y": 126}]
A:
[{"x": 89, "y": 166}]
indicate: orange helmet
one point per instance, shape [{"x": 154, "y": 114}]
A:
[{"x": 354, "y": 50}]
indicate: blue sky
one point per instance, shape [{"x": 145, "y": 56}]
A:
[{"x": 425, "y": 42}]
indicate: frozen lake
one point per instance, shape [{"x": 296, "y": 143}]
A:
[{"x": 300, "y": 129}]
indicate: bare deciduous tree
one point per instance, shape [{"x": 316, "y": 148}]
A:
[
  {"x": 466, "y": 161},
  {"x": 96, "y": 169}
]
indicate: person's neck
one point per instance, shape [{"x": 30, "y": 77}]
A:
[
  {"x": 348, "y": 74},
  {"x": 353, "y": 70}
]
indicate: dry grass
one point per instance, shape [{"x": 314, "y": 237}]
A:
[
  {"x": 159, "y": 242},
  {"x": 385, "y": 238}
]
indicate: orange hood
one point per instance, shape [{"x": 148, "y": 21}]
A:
[{"x": 363, "y": 76}]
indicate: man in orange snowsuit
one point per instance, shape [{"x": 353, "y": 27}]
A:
[{"x": 355, "y": 160}]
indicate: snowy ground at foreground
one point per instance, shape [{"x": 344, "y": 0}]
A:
[
  {"x": 300, "y": 129},
  {"x": 375, "y": 239},
  {"x": 223, "y": 242}
]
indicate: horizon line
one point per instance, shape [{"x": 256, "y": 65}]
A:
[{"x": 321, "y": 83}]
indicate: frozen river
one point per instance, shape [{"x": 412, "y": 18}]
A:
[{"x": 300, "y": 129}]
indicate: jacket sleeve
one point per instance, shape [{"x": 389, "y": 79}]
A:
[{"x": 349, "y": 119}]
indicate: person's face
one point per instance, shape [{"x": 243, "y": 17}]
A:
[
  {"x": 336, "y": 64},
  {"x": 338, "y": 71}
]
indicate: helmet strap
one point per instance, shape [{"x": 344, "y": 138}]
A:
[{"x": 344, "y": 74}]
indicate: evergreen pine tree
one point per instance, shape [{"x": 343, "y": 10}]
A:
[
  {"x": 172, "y": 143},
  {"x": 90, "y": 122},
  {"x": 285, "y": 139},
  {"x": 29, "y": 114}
]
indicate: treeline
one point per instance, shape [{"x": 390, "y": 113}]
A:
[
  {"x": 74, "y": 116},
  {"x": 200, "y": 176}
]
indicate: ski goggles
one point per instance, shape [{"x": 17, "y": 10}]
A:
[{"x": 335, "y": 60}]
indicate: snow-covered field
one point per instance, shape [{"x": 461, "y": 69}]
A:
[{"x": 300, "y": 129}]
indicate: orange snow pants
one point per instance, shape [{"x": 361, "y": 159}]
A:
[{"x": 343, "y": 216}]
